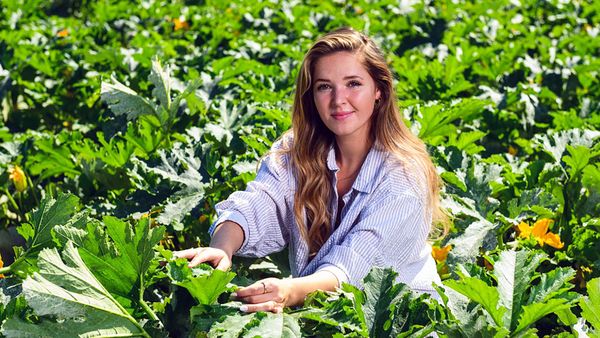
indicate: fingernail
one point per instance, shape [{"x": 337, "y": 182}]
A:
[
  {"x": 243, "y": 308},
  {"x": 234, "y": 294}
]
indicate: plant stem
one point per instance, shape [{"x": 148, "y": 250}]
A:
[
  {"x": 8, "y": 269},
  {"x": 148, "y": 310},
  {"x": 143, "y": 303},
  {"x": 37, "y": 202},
  {"x": 5, "y": 270},
  {"x": 12, "y": 200}
]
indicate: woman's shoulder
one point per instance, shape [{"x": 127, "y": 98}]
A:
[
  {"x": 403, "y": 177},
  {"x": 278, "y": 158}
]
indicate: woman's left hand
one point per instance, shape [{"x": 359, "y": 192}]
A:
[{"x": 269, "y": 294}]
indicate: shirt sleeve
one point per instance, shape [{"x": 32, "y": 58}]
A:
[
  {"x": 260, "y": 210},
  {"x": 392, "y": 233}
]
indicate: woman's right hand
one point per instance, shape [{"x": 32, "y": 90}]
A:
[{"x": 218, "y": 258}]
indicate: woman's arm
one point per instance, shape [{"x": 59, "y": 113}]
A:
[
  {"x": 274, "y": 294},
  {"x": 228, "y": 236},
  {"x": 227, "y": 239}
]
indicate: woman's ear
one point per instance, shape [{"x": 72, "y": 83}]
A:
[{"x": 377, "y": 94}]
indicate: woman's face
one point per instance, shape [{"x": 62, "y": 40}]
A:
[{"x": 345, "y": 95}]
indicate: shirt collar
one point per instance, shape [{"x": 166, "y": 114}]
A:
[{"x": 365, "y": 181}]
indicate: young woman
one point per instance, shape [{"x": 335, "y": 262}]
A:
[{"x": 347, "y": 188}]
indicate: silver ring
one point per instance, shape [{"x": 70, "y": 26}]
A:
[{"x": 264, "y": 287}]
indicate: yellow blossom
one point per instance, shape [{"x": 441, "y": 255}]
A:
[
  {"x": 1, "y": 266},
  {"x": 524, "y": 230},
  {"x": 180, "y": 23},
  {"x": 17, "y": 176},
  {"x": 440, "y": 254},
  {"x": 63, "y": 33},
  {"x": 539, "y": 231},
  {"x": 553, "y": 240},
  {"x": 512, "y": 150}
]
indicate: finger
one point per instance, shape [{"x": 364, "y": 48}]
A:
[
  {"x": 251, "y": 290},
  {"x": 269, "y": 306},
  {"x": 201, "y": 257},
  {"x": 257, "y": 298},
  {"x": 224, "y": 264},
  {"x": 188, "y": 253}
]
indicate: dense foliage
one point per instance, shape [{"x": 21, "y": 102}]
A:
[{"x": 123, "y": 124}]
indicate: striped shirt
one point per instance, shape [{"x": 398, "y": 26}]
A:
[{"x": 384, "y": 222}]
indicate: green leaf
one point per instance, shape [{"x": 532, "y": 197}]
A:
[
  {"x": 180, "y": 166},
  {"x": 531, "y": 313},
  {"x": 276, "y": 325},
  {"x": 205, "y": 288},
  {"x": 514, "y": 272},
  {"x": 70, "y": 302},
  {"x": 468, "y": 320},
  {"x": 452, "y": 178},
  {"x": 123, "y": 100},
  {"x": 380, "y": 293},
  {"x": 481, "y": 293},
  {"x": 120, "y": 256},
  {"x": 232, "y": 326},
  {"x": 161, "y": 79},
  {"x": 590, "y": 305},
  {"x": 555, "y": 144},
  {"x": 578, "y": 159},
  {"x": 50, "y": 213},
  {"x": 551, "y": 283}
]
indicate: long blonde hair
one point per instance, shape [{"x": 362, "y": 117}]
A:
[{"x": 312, "y": 140}]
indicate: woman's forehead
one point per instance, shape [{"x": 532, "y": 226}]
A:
[{"x": 339, "y": 65}]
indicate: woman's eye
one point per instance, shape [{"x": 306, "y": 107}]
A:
[
  {"x": 354, "y": 84},
  {"x": 322, "y": 87}
]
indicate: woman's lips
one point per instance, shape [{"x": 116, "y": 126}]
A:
[{"x": 341, "y": 115}]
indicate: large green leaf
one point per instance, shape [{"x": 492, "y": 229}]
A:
[
  {"x": 38, "y": 233},
  {"x": 181, "y": 167},
  {"x": 531, "y": 313},
  {"x": 514, "y": 272},
  {"x": 161, "y": 79},
  {"x": 118, "y": 254},
  {"x": 481, "y": 293},
  {"x": 204, "y": 283},
  {"x": 70, "y": 302},
  {"x": 123, "y": 100},
  {"x": 555, "y": 281},
  {"x": 276, "y": 325},
  {"x": 590, "y": 305},
  {"x": 380, "y": 291},
  {"x": 555, "y": 144}
]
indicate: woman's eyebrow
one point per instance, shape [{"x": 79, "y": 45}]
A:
[{"x": 349, "y": 77}]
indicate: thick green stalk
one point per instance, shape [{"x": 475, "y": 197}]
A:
[
  {"x": 5, "y": 270},
  {"x": 143, "y": 303}
]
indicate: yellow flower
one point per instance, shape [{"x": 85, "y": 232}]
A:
[
  {"x": 17, "y": 176},
  {"x": 524, "y": 230},
  {"x": 553, "y": 240},
  {"x": 512, "y": 150},
  {"x": 1, "y": 266},
  {"x": 180, "y": 23},
  {"x": 539, "y": 231},
  {"x": 440, "y": 254},
  {"x": 63, "y": 33}
]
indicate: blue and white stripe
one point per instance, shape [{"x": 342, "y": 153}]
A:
[{"x": 384, "y": 222}]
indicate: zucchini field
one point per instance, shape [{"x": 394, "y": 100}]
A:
[{"x": 123, "y": 123}]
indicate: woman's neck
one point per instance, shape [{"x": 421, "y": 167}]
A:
[{"x": 351, "y": 153}]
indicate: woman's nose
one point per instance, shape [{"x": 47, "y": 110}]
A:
[{"x": 340, "y": 97}]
